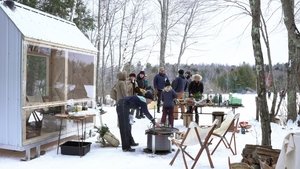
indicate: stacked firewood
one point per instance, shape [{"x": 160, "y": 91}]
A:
[{"x": 260, "y": 157}]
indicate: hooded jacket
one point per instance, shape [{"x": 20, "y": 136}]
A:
[
  {"x": 168, "y": 95},
  {"x": 121, "y": 86}
]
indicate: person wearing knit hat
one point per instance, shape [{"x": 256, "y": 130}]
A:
[
  {"x": 123, "y": 110},
  {"x": 168, "y": 95},
  {"x": 180, "y": 71},
  {"x": 149, "y": 95},
  {"x": 132, "y": 75},
  {"x": 196, "y": 88},
  {"x": 167, "y": 83},
  {"x": 141, "y": 81},
  {"x": 179, "y": 85},
  {"x": 142, "y": 85},
  {"x": 142, "y": 72},
  {"x": 132, "y": 90}
]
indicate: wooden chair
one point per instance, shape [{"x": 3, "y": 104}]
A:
[
  {"x": 195, "y": 135},
  {"x": 222, "y": 131}
]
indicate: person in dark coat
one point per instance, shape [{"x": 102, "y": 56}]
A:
[
  {"x": 141, "y": 81},
  {"x": 179, "y": 85},
  {"x": 132, "y": 90},
  {"x": 196, "y": 88},
  {"x": 123, "y": 109},
  {"x": 159, "y": 84},
  {"x": 142, "y": 85},
  {"x": 188, "y": 77},
  {"x": 168, "y": 95}
]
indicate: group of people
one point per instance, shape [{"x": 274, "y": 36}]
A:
[
  {"x": 133, "y": 96},
  {"x": 168, "y": 93}
]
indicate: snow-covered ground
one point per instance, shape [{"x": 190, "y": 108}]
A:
[{"x": 115, "y": 158}]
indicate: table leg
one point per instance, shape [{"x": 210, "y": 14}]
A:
[{"x": 59, "y": 135}]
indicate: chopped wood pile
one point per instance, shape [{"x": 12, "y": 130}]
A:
[{"x": 260, "y": 157}]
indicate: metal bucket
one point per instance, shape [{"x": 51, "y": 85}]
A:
[{"x": 161, "y": 141}]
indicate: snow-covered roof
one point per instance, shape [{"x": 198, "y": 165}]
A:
[{"x": 41, "y": 26}]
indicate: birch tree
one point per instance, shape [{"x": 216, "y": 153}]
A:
[
  {"x": 164, "y": 9},
  {"x": 260, "y": 71},
  {"x": 131, "y": 31},
  {"x": 106, "y": 18}
]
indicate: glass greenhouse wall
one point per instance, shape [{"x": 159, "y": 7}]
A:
[{"x": 53, "y": 77}]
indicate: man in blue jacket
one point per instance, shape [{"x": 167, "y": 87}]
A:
[
  {"x": 123, "y": 109},
  {"x": 159, "y": 84},
  {"x": 179, "y": 84}
]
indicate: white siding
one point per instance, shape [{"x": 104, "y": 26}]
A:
[{"x": 10, "y": 85}]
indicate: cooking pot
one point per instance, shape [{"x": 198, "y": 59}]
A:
[{"x": 161, "y": 141}]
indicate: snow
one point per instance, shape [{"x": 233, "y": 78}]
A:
[{"x": 115, "y": 158}]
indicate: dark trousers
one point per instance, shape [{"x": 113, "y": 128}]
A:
[
  {"x": 190, "y": 110},
  {"x": 168, "y": 112},
  {"x": 158, "y": 99},
  {"x": 125, "y": 128}
]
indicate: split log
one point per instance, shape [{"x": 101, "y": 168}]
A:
[{"x": 255, "y": 155}]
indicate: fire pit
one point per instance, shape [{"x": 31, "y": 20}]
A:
[{"x": 159, "y": 137}]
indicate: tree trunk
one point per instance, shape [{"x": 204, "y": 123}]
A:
[
  {"x": 121, "y": 35},
  {"x": 294, "y": 43},
  {"x": 259, "y": 63},
  {"x": 291, "y": 85},
  {"x": 164, "y": 6},
  {"x": 73, "y": 10},
  {"x": 271, "y": 83},
  {"x": 98, "y": 53}
]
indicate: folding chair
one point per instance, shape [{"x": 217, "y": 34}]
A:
[
  {"x": 195, "y": 135},
  {"x": 221, "y": 132}
]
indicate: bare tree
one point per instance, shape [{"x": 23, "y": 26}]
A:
[
  {"x": 73, "y": 10},
  {"x": 193, "y": 18},
  {"x": 265, "y": 35},
  {"x": 106, "y": 17},
  {"x": 294, "y": 56},
  {"x": 132, "y": 31},
  {"x": 259, "y": 64},
  {"x": 124, "y": 7},
  {"x": 164, "y": 9},
  {"x": 98, "y": 41},
  {"x": 193, "y": 8}
]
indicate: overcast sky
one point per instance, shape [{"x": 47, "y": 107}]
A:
[
  {"x": 231, "y": 42},
  {"x": 228, "y": 42}
]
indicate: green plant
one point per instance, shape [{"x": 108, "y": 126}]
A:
[{"x": 102, "y": 130}]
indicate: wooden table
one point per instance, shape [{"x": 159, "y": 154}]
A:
[
  {"x": 77, "y": 118},
  {"x": 188, "y": 116}
]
